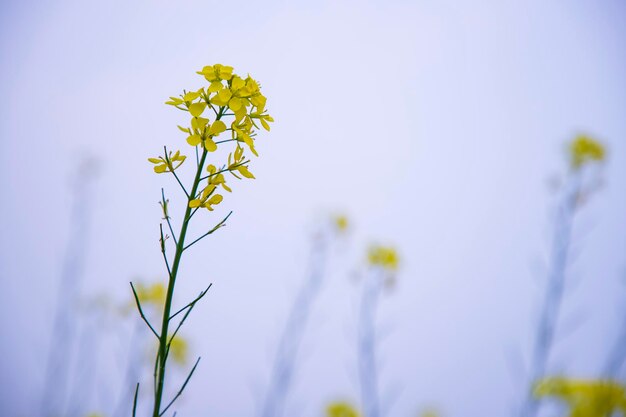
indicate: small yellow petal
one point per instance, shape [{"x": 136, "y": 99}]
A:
[
  {"x": 155, "y": 160},
  {"x": 216, "y": 199},
  {"x": 215, "y": 86},
  {"x": 196, "y": 109},
  {"x": 216, "y": 128},
  {"x": 222, "y": 97},
  {"x": 198, "y": 123},
  {"x": 243, "y": 170},
  {"x": 194, "y": 203},
  {"x": 191, "y": 96},
  {"x": 235, "y": 103},
  {"x": 194, "y": 140},
  {"x": 209, "y": 145}
]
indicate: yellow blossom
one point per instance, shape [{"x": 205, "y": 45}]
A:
[
  {"x": 207, "y": 200},
  {"x": 167, "y": 164},
  {"x": 584, "y": 149},
  {"x": 341, "y": 409},
  {"x": 226, "y": 91},
  {"x": 203, "y": 133},
  {"x": 236, "y": 162},
  {"x": 383, "y": 256},
  {"x": 585, "y": 398},
  {"x": 217, "y": 72}
]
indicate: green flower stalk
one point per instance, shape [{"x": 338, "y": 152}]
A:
[{"x": 236, "y": 106}]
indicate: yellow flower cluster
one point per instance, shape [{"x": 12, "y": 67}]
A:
[
  {"x": 584, "y": 149},
  {"x": 238, "y": 107},
  {"x": 585, "y": 398},
  {"x": 341, "y": 409},
  {"x": 383, "y": 256}
]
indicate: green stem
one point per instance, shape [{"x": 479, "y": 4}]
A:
[
  {"x": 180, "y": 247},
  {"x": 162, "y": 358}
]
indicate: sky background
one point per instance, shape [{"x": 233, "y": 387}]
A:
[{"x": 436, "y": 126}]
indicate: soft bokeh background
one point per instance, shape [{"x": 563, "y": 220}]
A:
[{"x": 437, "y": 126}]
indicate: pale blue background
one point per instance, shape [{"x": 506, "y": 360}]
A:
[{"x": 436, "y": 125}]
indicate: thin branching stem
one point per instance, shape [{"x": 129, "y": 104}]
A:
[
  {"x": 141, "y": 310},
  {"x": 172, "y": 170},
  {"x": 166, "y": 216},
  {"x": 221, "y": 171},
  {"x": 163, "y": 249},
  {"x": 202, "y": 294},
  {"x": 220, "y": 224},
  {"x": 182, "y": 388},
  {"x": 135, "y": 400}
]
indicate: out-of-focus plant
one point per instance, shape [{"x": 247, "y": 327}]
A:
[
  {"x": 585, "y": 398},
  {"x": 291, "y": 337},
  {"x": 429, "y": 412},
  {"x": 383, "y": 263},
  {"x": 583, "y": 154},
  {"x": 341, "y": 409},
  {"x": 56, "y": 386},
  {"x": 230, "y": 99}
]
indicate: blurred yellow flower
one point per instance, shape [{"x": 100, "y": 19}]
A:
[
  {"x": 584, "y": 149},
  {"x": 341, "y": 222},
  {"x": 429, "y": 413},
  {"x": 153, "y": 294},
  {"x": 585, "y": 398},
  {"x": 341, "y": 409},
  {"x": 383, "y": 256},
  {"x": 179, "y": 349}
]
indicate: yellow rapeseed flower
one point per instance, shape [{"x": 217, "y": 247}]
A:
[
  {"x": 585, "y": 398},
  {"x": 341, "y": 409},
  {"x": 584, "y": 149},
  {"x": 226, "y": 91},
  {"x": 217, "y": 72},
  {"x": 167, "y": 164},
  {"x": 383, "y": 256},
  {"x": 236, "y": 162}
]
